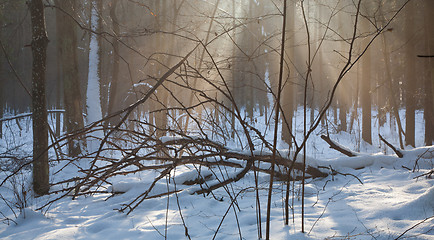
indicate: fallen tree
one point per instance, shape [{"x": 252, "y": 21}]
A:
[{"x": 168, "y": 153}]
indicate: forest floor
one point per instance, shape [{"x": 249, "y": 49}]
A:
[{"x": 384, "y": 200}]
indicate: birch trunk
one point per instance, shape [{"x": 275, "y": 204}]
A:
[{"x": 93, "y": 100}]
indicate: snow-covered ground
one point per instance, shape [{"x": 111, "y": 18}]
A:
[{"x": 381, "y": 201}]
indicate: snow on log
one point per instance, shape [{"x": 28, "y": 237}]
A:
[{"x": 407, "y": 158}]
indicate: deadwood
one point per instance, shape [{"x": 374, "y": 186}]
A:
[
  {"x": 179, "y": 151},
  {"x": 337, "y": 147},
  {"x": 350, "y": 153},
  {"x": 398, "y": 153}
]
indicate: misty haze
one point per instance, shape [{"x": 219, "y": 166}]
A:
[{"x": 216, "y": 119}]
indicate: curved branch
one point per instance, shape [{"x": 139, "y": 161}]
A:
[
  {"x": 336, "y": 146},
  {"x": 398, "y": 153}
]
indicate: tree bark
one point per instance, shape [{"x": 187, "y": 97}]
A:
[
  {"x": 410, "y": 79},
  {"x": 429, "y": 80},
  {"x": 343, "y": 109},
  {"x": 1, "y": 107},
  {"x": 1, "y": 84},
  {"x": 344, "y": 98},
  {"x": 395, "y": 106},
  {"x": 101, "y": 56},
  {"x": 67, "y": 47},
  {"x": 2, "y": 100},
  {"x": 93, "y": 93},
  {"x": 39, "y": 104},
  {"x": 116, "y": 58},
  {"x": 366, "y": 93},
  {"x": 288, "y": 91}
]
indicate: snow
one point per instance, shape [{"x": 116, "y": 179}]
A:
[{"x": 391, "y": 200}]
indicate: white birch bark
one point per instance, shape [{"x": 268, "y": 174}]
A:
[{"x": 93, "y": 102}]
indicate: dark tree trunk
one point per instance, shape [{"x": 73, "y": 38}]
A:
[
  {"x": 392, "y": 93},
  {"x": 410, "y": 79},
  {"x": 39, "y": 104},
  {"x": 288, "y": 91},
  {"x": 1, "y": 107},
  {"x": 366, "y": 98},
  {"x": 116, "y": 58},
  {"x": 344, "y": 99},
  {"x": 429, "y": 80},
  {"x": 164, "y": 42},
  {"x": 1, "y": 100},
  {"x": 1, "y": 83},
  {"x": 67, "y": 47},
  {"x": 365, "y": 92},
  {"x": 429, "y": 105}
]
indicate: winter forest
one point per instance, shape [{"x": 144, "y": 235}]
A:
[{"x": 216, "y": 119}]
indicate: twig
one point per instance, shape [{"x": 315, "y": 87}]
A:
[
  {"x": 276, "y": 121},
  {"x": 167, "y": 207},
  {"x": 227, "y": 211},
  {"x": 428, "y": 174},
  {"x": 13, "y": 69},
  {"x": 149, "y": 220},
  {"x": 417, "y": 160},
  {"x": 320, "y": 216},
  {"x": 180, "y": 211},
  {"x": 334, "y": 172},
  {"x": 417, "y": 224},
  {"x": 129, "y": 110}
]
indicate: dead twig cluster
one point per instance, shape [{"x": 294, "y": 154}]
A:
[{"x": 166, "y": 154}]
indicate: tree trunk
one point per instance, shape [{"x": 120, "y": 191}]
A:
[
  {"x": 410, "y": 79},
  {"x": 116, "y": 58},
  {"x": 39, "y": 104},
  {"x": 165, "y": 42},
  {"x": 366, "y": 98},
  {"x": 288, "y": 91},
  {"x": 93, "y": 101},
  {"x": 103, "y": 90},
  {"x": 429, "y": 80},
  {"x": 67, "y": 47},
  {"x": 366, "y": 93},
  {"x": 429, "y": 107},
  {"x": 1, "y": 83},
  {"x": 1, "y": 103},
  {"x": 344, "y": 98},
  {"x": 59, "y": 73},
  {"x": 355, "y": 101},
  {"x": 395, "y": 106},
  {"x": 233, "y": 71}
]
